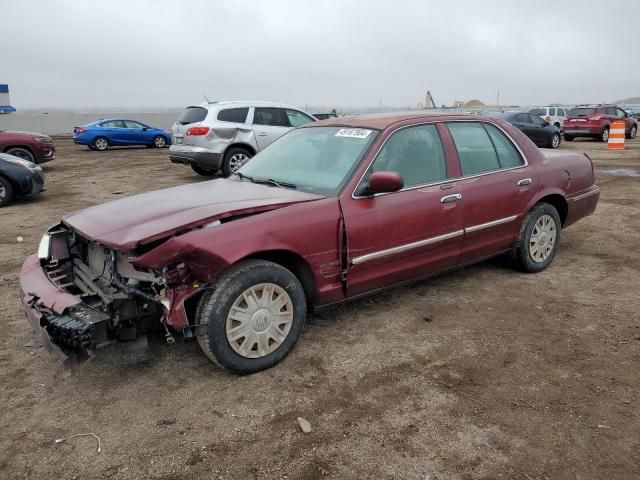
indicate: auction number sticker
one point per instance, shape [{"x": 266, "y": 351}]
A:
[{"x": 353, "y": 132}]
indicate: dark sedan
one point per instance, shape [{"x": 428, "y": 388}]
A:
[
  {"x": 540, "y": 132},
  {"x": 18, "y": 178}
]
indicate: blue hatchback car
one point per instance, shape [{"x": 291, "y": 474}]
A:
[{"x": 113, "y": 132}]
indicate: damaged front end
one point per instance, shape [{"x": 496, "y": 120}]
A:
[{"x": 81, "y": 296}]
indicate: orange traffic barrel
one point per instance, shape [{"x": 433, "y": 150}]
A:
[{"x": 616, "y": 136}]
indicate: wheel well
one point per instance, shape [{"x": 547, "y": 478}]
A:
[
  {"x": 559, "y": 203},
  {"x": 24, "y": 147},
  {"x": 241, "y": 145},
  {"x": 296, "y": 265}
]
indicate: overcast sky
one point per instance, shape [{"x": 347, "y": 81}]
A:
[{"x": 162, "y": 53}]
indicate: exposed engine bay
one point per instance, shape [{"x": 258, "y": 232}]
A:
[{"x": 119, "y": 301}]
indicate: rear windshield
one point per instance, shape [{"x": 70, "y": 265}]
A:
[
  {"x": 538, "y": 111},
  {"x": 193, "y": 115},
  {"x": 581, "y": 112}
]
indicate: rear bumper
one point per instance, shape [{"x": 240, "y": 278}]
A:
[
  {"x": 582, "y": 131},
  {"x": 197, "y": 156},
  {"x": 581, "y": 204}
]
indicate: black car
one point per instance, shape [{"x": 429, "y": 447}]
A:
[
  {"x": 18, "y": 178},
  {"x": 540, "y": 132}
]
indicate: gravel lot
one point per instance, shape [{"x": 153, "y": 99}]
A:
[{"x": 516, "y": 376}]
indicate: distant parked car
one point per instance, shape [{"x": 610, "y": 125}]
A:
[
  {"x": 595, "y": 121},
  {"x": 553, "y": 115},
  {"x": 114, "y": 132},
  {"x": 222, "y": 136},
  {"x": 18, "y": 178},
  {"x": 324, "y": 116},
  {"x": 33, "y": 147},
  {"x": 539, "y": 131}
]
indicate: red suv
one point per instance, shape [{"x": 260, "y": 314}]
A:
[
  {"x": 595, "y": 121},
  {"x": 34, "y": 147}
]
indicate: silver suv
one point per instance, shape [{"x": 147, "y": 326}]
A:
[
  {"x": 222, "y": 136},
  {"x": 553, "y": 114}
]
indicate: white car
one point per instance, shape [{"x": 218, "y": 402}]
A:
[
  {"x": 223, "y": 136},
  {"x": 553, "y": 115}
]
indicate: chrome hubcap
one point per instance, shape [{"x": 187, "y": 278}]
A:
[
  {"x": 543, "y": 239},
  {"x": 160, "y": 142},
  {"x": 605, "y": 135},
  {"x": 633, "y": 132},
  {"x": 3, "y": 192},
  {"x": 556, "y": 141},
  {"x": 259, "y": 320},
  {"x": 237, "y": 160},
  {"x": 101, "y": 144}
]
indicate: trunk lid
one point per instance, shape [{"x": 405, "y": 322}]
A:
[{"x": 130, "y": 222}]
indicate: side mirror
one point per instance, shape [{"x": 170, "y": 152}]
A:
[
  {"x": 385, "y": 182},
  {"x": 145, "y": 128}
]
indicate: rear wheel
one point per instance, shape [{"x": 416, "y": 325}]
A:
[
  {"x": 633, "y": 132},
  {"x": 568, "y": 138},
  {"x": 254, "y": 316},
  {"x": 604, "y": 135},
  {"x": 203, "y": 171},
  {"x": 21, "y": 153},
  {"x": 159, "y": 141},
  {"x": 101, "y": 144},
  {"x": 234, "y": 158},
  {"x": 6, "y": 192},
  {"x": 539, "y": 238},
  {"x": 555, "y": 140}
]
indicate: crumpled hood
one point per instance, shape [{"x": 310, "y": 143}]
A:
[{"x": 140, "y": 219}]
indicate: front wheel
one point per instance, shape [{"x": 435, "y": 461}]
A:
[
  {"x": 633, "y": 132},
  {"x": 539, "y": 238},
  {"x": 555, "y": 140},
  {"x": 159, "y": 141},
  {"x": 234, "y": 158},
  {"x": 22, "y": 153},
  {"x": 604, "y": 135},
  {"x": 254, "y": 316}
]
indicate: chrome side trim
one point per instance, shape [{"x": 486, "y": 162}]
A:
[
  {"x": 588, "y": 194},
  {"x": 482, "y": 226},
  {"x": 404, "y": 248},
  {"x": 448, "y": 180}
]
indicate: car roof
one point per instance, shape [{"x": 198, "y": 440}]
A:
[
  {"x": 380, "y": 121},
  {"x": 243, "y": 103}
]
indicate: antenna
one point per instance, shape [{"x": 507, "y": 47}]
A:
[{"x": 205, "y": 97}]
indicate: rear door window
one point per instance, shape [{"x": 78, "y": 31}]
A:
[
  {"x": 135, "y": 125},
  {"x": 276, "y": 117},
  {"x": 193, "y": 115},
  {"x": 235, "y": 115},
  {"x": 114, "y": 124},
  {"x": 508, "y": 155},
  {"x": 297, "y": 118},
  {"x": 475, "y": 149},
  {"x": 414, "y": 153}
]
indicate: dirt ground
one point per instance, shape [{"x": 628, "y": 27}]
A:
[{"x": 517, "y": 376}]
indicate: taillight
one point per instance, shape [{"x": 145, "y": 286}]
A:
[{"x": 195, "y": 131}]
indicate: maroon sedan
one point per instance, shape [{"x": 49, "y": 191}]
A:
[
  {"x": 33, "y": 147},
  {"x": 330, "y": 212}
]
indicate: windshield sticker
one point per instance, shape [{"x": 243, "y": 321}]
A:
[{"x": 353, "y": 133}]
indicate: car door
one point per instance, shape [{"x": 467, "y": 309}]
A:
[
  {"x": 524, "y": 123},
  {"x": 407, "y": 234},
  {"x": 540, "y": 130},
  {"x": 117, "y": 132},
  {"x": 496, "y": 186},
  {"x": 623, "y": 117},
  {"x": 136, "y": 133},
  {"x": 269, "y": 124}
]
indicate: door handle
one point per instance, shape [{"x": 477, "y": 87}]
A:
[
  {"x": 262, "y": 134},
  {"x": 524, "y": 181},
  {"x": 451, "y": 198}
]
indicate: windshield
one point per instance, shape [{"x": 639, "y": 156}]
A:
[
  {"x": 192, "y": 115},
  {"x": 580, "y": 112},
  {"x": 316, "y": 159}
]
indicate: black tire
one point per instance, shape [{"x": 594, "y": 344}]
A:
[
  {"x": 22, "y": 153},
  {"x": 203, "y": 171},
  {"x": 159, "y": 141},
  {"x": 523, "y": 251},
  {"x": 6, "y": 192},
  {"x": 215, "y": 305},
  {"x": 568, "y": 138},
  {"x": 101, "y": 144},
  {"x": 604, "y": 135},
  {"x": 633, "y": 132},
  {"x": 230, "y": 156},
  {"x": 555, "y": 141}
]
